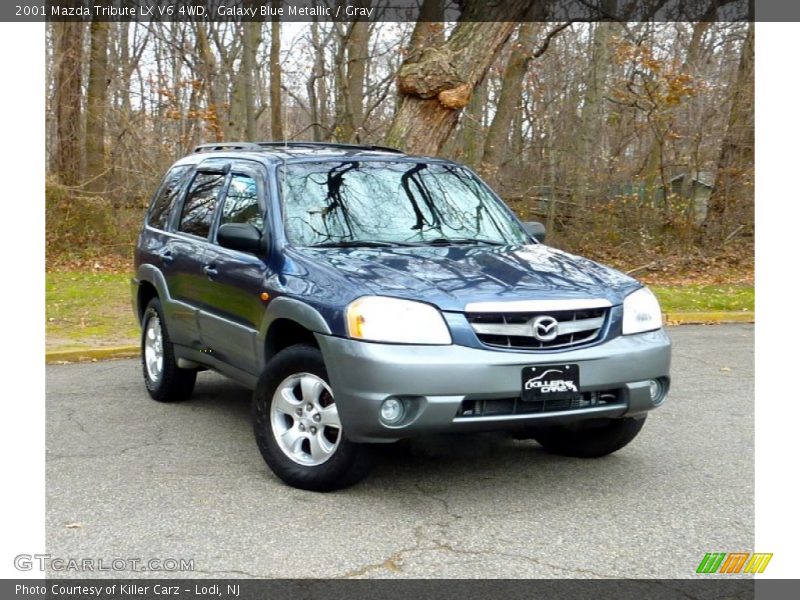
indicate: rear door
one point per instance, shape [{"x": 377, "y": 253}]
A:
[
  {"x": 154, "y": 245},
  {"x": 184, "y": 254},
  {"x": 232, "y": 307}
]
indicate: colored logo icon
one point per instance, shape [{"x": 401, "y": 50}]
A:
[{"x": 734, "y": 562}]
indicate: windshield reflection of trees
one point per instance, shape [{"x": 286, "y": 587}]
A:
[{"x": 390, "y": 201}]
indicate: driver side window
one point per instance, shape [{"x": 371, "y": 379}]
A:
[{"x": 241, "y": 203}]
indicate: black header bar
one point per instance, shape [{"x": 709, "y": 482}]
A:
[{"x": 397, "y": 10}]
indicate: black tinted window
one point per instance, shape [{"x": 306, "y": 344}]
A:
[
  {"x": 198, "y": 208},
  {"x": 241, "y": 202},
  {"x": 162, "y": 205}
]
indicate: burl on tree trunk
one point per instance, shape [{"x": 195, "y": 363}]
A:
[{"x": 436, "y": 82}]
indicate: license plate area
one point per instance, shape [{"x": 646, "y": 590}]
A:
[{"x": 550, "y": 382}]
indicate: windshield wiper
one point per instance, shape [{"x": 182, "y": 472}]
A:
[
  {"x": 359, "y": 244},
  {"x": 455, "y": 241}
]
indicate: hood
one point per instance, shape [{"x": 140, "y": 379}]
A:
[{"x": 450, "y": 277}]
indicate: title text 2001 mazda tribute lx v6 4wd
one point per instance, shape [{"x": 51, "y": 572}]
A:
[{"x": 369, "y": 296}]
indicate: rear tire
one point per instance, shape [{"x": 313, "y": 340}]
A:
[
  {"x": 589, "y": 440},
  {"x": 297, "y": 425},
  {"x": 164, "y": 380}
]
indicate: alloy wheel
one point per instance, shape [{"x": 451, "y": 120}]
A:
[{"x": 305, "y": 421}]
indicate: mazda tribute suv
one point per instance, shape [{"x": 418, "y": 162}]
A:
[{"x": 369, "y": 296}]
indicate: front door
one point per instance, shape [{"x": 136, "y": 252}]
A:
[{"x": 232, "y": 308}]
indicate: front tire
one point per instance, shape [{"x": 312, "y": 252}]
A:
[
  {"x": 164, "y": 380},
  {"x": 589, "y": 440},
  {"x": 297, "y": 425}
]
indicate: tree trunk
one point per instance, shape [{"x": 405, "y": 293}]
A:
[
  {"x": 234, "y": 130},
  {"x": 495, "y": 149},
  {"x": 467, "y": 144},
  {"x": 655, "y": 186},
  {"x": 693, "y": 52},
  {"x": 357, "y": 56},
  {"x": 731, "y": 201},
  {"x": 251, "y": 42},
  {"x": 315, "y": 86},
  {"x": 96, "y": 106},
  {"x": 589, "y": 136},
  {"x": 428, "y": 30},
  {"x": 68, "y": 58},
  {"x": 276, "y": 109},
  {"x": 350, "y": 79},
  {"x": 436, "y": 83},
  {"x": 517, "y": 138},
  {"x": 212, "y": 116}
]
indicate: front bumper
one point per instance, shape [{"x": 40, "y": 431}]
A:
[{"x": 435, "y": 382}]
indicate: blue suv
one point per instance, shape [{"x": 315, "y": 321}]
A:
[{"x": 366, "y": 295}]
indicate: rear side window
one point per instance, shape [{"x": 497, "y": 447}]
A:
[
  {"x": 162, "y": 205},
  {"x": 241, "y": 203},
  {"x": 198, "y": 208}
]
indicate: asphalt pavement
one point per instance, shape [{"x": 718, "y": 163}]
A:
[{"x": 129, "y": 478}]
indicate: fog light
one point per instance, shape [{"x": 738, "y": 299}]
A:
[
  {"x": 656, "y": 391},
  {"x": 392, "y": 411}
]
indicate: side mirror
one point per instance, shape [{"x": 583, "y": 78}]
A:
[
  {"x": 240, "y": 236},
  {"x": 536, "y": 230}
]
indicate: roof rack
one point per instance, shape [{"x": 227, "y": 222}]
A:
[
  {"x": 261, "y": 146},
  {"x": 301, "y": 144},
  {"x": 222, "y": 146}
]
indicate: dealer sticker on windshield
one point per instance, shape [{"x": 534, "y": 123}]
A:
[{"x": 550, "y": 382}]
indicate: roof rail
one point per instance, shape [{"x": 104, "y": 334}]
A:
[
  {"x": 222, "y": 146},
  {"x": 301, "y": 144},
  {"x": 260, "y": 146}
]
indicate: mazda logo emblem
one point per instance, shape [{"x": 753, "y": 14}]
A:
[{"x": 545, "y": 328}]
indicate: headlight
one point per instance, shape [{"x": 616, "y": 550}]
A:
[
  {"x": 383, "y": 319},
  {"x": 640, "y": 312}
]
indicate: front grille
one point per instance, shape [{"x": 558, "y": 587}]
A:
[
  {"x": 516, "y": 406},
  {"x": 516, "y": 329}
]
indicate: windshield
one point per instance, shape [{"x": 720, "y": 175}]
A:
[{"x": 391, "y": 203}]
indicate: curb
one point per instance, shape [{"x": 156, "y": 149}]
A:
[
  {"x": 695, "y": 318},
  {"x": 676, "y": 318},
  {"x": 90, "y": 354}
]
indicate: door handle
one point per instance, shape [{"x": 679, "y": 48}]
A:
[
  {"x": 210, "y": 271},
  {"x": 166, "y": 256}
]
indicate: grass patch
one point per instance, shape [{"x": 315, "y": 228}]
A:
[
  {"x": 706, "y": 298},
  {"x": 88, "y": 309}
]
